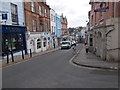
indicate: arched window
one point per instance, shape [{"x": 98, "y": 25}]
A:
[{"x": 38, "y": 43}]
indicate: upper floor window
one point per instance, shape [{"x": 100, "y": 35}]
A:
[
  {"x": 34, "y": 26},
  {"x": 102, "y": 5},
  {"x": 14, "y": 13},
  {"x": 92, "y": 20},
  {"x": 32, "y": 6},
  {"x": 40, "y": 10},
  {"x": 45, "y": 13},
  {"x": 41, "y": 25}
]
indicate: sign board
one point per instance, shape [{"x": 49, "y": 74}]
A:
[{"x": 4, "y": 16}]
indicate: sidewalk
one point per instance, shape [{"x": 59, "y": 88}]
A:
[
  {"x": 91, "y": 60},
  {"x": 26, "y": 57}
]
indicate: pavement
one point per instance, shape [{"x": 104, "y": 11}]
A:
[
  {"x": 3, "y": 61},
  {"x": 92, "y": 61}
]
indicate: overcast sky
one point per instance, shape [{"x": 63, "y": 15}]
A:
[{"x": 76, "y": 11}]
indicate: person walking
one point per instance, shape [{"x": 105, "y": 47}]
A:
[
  {"x": 86, "y": 48},
  {"x": 74, "y": 48}
]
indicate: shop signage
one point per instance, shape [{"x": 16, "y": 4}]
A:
[
  {"x": 45, "y": 33},
  {"x": 100, "y": 9},
  {"x": 4, "y": 16},
  {"x": 53, "y": 33},
  {"x": 48, "y": 38},
  {"x": 3, "y": 12}
]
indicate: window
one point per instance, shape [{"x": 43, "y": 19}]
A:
[
  {"x": 41, "y": 25},
  {"x": 38, "y": 43},
  {"x": 92, "y": 19},
  {"x": 52, "y": 28},
  {"x": 40, "y": 10},
  {"x": 45, "y": 13},
  {"x": 54, "y": 18},
  {"x": 102, "y": 5},
  {"x": 34, "y": 25},
  {"x": 32, "y": 6},
  {"x": 14, "y": 13},
  {"x": 91, "y": 41},
  {"x": 46, "y": 27}
]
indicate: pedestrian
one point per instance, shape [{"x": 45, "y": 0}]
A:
[
  {"x": 86, "y": 48},
  {"x": 54, "y": 44}
]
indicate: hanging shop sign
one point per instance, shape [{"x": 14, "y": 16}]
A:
[{"x": 4, "y": 17}]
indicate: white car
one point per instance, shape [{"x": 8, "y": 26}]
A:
[{"x": 65, "y": 44}]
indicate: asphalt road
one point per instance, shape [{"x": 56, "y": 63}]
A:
[{"x": 53, "y": 70}]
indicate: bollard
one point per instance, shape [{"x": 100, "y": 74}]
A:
[
  {"x": 30, "y": 53},
  {"x": 7, "y": 57},
  {"x": 12, "y": 56},
  {"x": 22, "y": 55}
]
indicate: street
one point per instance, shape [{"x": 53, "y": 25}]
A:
[{"x": 53, "y": 70}]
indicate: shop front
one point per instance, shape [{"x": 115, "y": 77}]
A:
[{"x": 13, "y": 39}]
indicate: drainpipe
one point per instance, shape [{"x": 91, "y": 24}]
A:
[{"x": 114, "y": 9}]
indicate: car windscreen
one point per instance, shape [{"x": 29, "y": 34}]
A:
[{"x": 65, "y": 43}]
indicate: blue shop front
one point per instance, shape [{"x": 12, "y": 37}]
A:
[{"x": 13, "y": 38}]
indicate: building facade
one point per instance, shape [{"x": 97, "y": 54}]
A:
[
  {"x": 104, "y": 27},
  {"x": 13, "y": 28},
  {"x": 58, "y": 28},
  {"x": 64, "y": 25},
  {"x": 54, "y": 42},
  {"x": 37, "y": 19}
]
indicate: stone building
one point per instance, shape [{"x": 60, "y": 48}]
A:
[{"x": 104, "y": 27}]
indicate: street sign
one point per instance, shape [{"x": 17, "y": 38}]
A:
[{"x": 4, "y": 16}]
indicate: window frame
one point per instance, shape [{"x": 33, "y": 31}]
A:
[{"x": 14, "y": 13}]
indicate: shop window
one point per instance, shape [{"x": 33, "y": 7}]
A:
[
  {"x": 38, "y": 43},
  {"x": 12, "y": 41},
  {"x": 14, "y": 13},
  {"x": 20, "y": 41}
]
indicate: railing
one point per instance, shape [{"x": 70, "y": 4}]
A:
[{"x": 10, "y": 52}]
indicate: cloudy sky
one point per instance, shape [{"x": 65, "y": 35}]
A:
[{"x": 76, "y": 11}]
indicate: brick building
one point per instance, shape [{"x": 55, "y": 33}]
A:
[
  {"x": 104, "y": 29},
  {"x": 64, "y": 25},
  {"x": 37, "y": 19}
]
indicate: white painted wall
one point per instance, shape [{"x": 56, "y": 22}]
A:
[
  {"x": 53, "y": 20},
  {"x": 6, "y": 6}
]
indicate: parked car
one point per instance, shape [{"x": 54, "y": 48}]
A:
[{"x": 65, "y": 44}]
